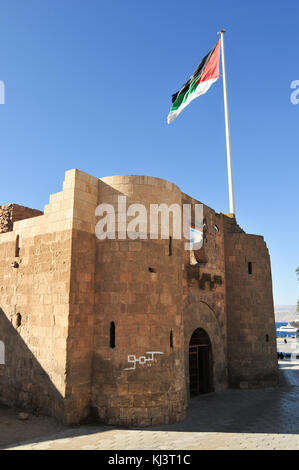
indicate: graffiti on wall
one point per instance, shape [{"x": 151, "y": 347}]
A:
[{"x": 142, "y": 359}]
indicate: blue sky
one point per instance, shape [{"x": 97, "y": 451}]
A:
[{"x": 89, "y": 82}]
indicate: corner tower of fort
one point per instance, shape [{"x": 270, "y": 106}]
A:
[{"x": 128, "y": 330}]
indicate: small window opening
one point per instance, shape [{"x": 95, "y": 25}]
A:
[
  {"x": 267, "y": 338},
  {"x": 170, "y": 246},
  {"x": 19, "y": 320},
  {"x": 151, "y": 270},
  {"x": 216, "y": 228},
  {"x": 250, "y": 267},
  {"x": 171, "y": 339},
  {"x": 17, "y": 247},
  {"x": 112, "y": 335}
]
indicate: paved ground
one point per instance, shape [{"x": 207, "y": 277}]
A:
[
  {"x": 235, "y": 419},
  {"x": 291, "y": 346}
]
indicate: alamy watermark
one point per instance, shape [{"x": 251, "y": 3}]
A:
[
  {"x": 295, "y": 94},
  {"x": 2, "y": 92},
  {"x": 133, "y": 222}
]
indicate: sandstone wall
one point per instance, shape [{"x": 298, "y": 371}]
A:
[
  {"x": 39, "y": 315},
  {"x": 11, "y": 213},
  {"x": 252, "y": 358},
  {"x": 34, "y": 320},
  {"x": 106, "y": 325},
  {"x": 204, "y": 295},
  {"x": 138, "y": 287},
  {"x": 80, "y": 342}
]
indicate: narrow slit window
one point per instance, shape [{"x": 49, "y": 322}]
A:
[
  {"x": 17, "y": 247},
  {"x": 170, "y": 246},
  {"x": 19, "y": 320},
  {"x": 112, "y": 335},
  {"x": 250, "y": 267},
  {"x": 171, "y": 339}
]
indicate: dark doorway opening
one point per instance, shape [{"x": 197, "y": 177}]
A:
[{"x": 200, "y": 363}]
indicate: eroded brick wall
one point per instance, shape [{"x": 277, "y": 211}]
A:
[{"x": 11, "y": 213}]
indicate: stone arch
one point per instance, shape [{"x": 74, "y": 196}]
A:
[
  {"x": 200, "y": 363},
  {"x": 2, "y": 353},
  {"x": 201, "y": 315}
]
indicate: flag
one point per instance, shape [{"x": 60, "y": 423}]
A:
[{"x": 204, "y": 76}]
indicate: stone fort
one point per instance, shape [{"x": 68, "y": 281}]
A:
[{"x": 128, "y": 331}]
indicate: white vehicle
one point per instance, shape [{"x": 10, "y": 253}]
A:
[{"x": 288, "y": 329}]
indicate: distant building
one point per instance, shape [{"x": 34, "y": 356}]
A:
[{"x": 128, "y": 330}]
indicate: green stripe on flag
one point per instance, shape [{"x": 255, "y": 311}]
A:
[{"x": 182, "y": 97}]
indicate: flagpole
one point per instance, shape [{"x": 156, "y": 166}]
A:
[{"x": 227, "y": 132}]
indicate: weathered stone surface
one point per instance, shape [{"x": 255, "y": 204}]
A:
[
  {"x": 62, "y": 289},
  {"x": 11, "y": 213}
]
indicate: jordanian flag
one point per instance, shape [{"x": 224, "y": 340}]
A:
[{"x": 204, "y": 76}]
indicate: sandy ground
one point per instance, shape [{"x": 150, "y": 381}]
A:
[{"x": 13, "y": 430}]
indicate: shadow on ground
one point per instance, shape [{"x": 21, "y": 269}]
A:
[{"x": 266, "y": 411}]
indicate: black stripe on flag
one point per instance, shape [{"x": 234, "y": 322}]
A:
[{"x": 197, "y": 72}]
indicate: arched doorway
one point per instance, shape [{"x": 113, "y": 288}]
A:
[{"x": 200, "y": 363}]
